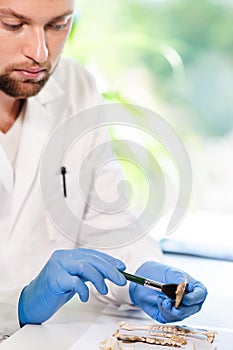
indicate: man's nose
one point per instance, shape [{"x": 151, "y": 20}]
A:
[{"x": 35, "y": 46}]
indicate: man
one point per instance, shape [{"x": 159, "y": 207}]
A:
[{"x": 38, "y": 91}]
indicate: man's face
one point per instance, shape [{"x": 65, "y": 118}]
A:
[{"x": 32, "y": 36}]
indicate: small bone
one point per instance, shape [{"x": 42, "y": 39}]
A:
[
  {"x": 130, "y": 327},
  {"x": 157, "y": 329},
  {"x": 176, "y": 342},
  {"x": 210, "y": 335},
  {"x": 180, "y": 292},
  {"x": 110, "y": 343}
]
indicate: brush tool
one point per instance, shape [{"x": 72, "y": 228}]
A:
[{"x": 172, "y": 290}]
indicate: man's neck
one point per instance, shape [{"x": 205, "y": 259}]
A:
[{"x": 9, "y": 111}]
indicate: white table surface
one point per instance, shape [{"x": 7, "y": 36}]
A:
[{"x": 70, "y": 323}]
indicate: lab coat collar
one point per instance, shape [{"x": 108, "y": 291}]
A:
[
  {"x": 6, "y": 172},
  {"x": 38, "y": 124},
  {"x": 51, "y": 92}
]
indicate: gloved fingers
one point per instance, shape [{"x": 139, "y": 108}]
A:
[
  {"x": 149, "y": 305},
  {"x": 160, "y": 308},
  {"x": 145, "y": 298},
  {"x": 82, "y": 267},
  {"x": 161, "y": 272},
  {"x": 183, "y": 310},
  {"x": 167, "y": 311},
  {"x": 175, "y": 276},
  {"x": 196, "y": 291},
  {"x": 90, "y": 273},
  {"x": 79, "y": 287},
  {"x": 164, "y": 313},
  {"x": 167, "y": 306},
  {"x": 153, "y": 270},
  {"x": 95, "y": 270},
  {"x": 145, "y": 294},
  {"x": 86, "y": 253},
  {"x": 171, "y": 314},
  {"x": 84, "y": 272},
  {"x": 186, "y": 311},
  {"x": 108, "y": 271},
  {"x": 64, "y": 283},
  {"x": 196, "y": 294}
]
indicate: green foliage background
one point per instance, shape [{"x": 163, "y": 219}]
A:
[
  {"x": 116, "y": 34},
  {"x": 175, "y": 56}
]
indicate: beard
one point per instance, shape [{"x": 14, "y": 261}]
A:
[{"x": 21, "y": 87}]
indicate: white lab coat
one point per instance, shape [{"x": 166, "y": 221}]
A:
[{"x": 27, "y": 237}]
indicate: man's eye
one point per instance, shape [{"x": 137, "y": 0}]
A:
[
  {"x": 12, "y": 27},
  {"x": 57, "y": 27}
]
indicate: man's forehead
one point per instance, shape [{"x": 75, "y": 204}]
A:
[{"x": 41, "y": 10}]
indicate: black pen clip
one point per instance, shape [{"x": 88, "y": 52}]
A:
[{"x": 63, "y": 173}]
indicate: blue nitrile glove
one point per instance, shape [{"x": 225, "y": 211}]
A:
[
  {"x": 64, "y": 275},
  {"x": 159, "y": 306}
]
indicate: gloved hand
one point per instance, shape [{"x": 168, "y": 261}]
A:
[
  {"x": 159, "y": 306},
  {"x": 64, "y": 275}
]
